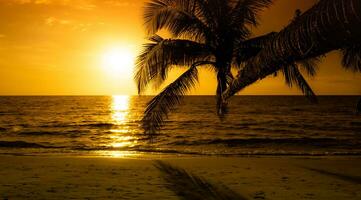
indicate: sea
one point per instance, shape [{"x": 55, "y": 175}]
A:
[{"x": 110, "y": 126}]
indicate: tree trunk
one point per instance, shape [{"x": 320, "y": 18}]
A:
[
  {"x": 221, "y": 87},
  {"x": 329, "y": 25}
]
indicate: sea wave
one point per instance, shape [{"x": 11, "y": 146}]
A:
[
  {"x": 68, "y": 133},
  {"x": 90, "y": 125},
  {"x": 319, "y": 142},
  {"x": 22, "y": 144},
  {"x": 107, "y": 150},
  {"x": 255, "y": 126}
]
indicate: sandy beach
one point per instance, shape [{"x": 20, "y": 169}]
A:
[{"x": 56, "y": 177}]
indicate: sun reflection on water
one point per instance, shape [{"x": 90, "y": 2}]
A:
[
  {"x": 120, "y": 109},
  {"x": 121, "y": 136}
]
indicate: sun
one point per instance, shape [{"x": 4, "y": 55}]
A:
[{"x": 118, "y": 61}]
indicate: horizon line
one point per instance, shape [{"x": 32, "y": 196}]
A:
[{"x": 206, "y": 95}]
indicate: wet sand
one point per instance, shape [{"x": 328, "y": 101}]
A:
[{"x": 57, "y": 177}]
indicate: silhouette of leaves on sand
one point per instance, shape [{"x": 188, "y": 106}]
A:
[
  {"x": 352, "y": 179},
  {"x": 192, "y": 187}
]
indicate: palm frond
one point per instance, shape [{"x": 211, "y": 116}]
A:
[
  {"x": 352, "y": 58},
  {"x": 246, "y": 12},
  {"x": 188, "y": 186},
  {"x": 177, "y": 16},
  {"x": 159, "y": 107},
  {"x": 160, "y": 55},
  {"x": 205, "y": 13},
  {"x": 310, "y": 66},
  {"x": 293, "y": 76},
  {"x": 213, "y": 12},
  {"x": 251, "y": 47}
]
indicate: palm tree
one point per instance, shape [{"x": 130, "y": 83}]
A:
[
  {"x": 212, "y": 34},
  {"x": 329, "y": 25}
]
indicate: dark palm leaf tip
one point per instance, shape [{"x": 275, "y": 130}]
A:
[
  {"x": 352, "y": 58},
  {"x": 294, "y": 76},
  {"x": 358, "y": 109},
  {"x": 158, "y": 108},
  {"x": 223, "y": 110},
  {"x": 189, "y": 186}
]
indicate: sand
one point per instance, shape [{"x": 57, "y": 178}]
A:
[{"x": 60, "y": 177}]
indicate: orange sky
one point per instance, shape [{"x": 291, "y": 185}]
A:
[{"x": 57, "y": 47}]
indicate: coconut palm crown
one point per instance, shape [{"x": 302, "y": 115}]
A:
[
  {"x": 213, "y": 34},
  {"x": 314, "y": 33}
]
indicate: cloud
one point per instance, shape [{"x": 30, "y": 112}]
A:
[
  {"x": 120, "y": 3},
  {"x": 2, "y": 36},
  {"x": 74, "y": 25},
  {"x": 52, "y": 21},
  {"x": 79, "y": 4},
  {"x": 82, "y": 4},
  {"x": 83, "y": 27},
  {"x": 39, "y": 1}
]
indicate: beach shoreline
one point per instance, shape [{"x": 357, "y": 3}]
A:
[{"x": 256, "y": 177}]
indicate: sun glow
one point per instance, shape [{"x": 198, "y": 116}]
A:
[{"x": 118, "y": 61}]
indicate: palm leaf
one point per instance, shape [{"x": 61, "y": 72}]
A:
[
  {"x": 247, "y": 11},
  {"x": 161, "y": 54},
  {"x": 177, "y": 16},
  {"x": 293, "y": 76},
  {"x": 352, "y": 58},
  {"x": 251, "y": 47},
  {"x": 212, "y": 11},
  {"x": 310, "y": 66},
  {"x": 159, "y": 107},
  {"x": 188, "y": 186}
]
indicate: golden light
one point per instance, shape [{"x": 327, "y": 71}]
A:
[
  {"x": 122, "y": 154},
  {"x": 122, "y": 141},
  {"x": 120, "y": 107},
  {"x": 118, "y": 61},
  {"x": 120, "y": 111}
]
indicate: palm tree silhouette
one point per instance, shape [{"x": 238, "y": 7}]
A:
[
  {"x": 329, "y": 25},
  {"x": 213, "y": 34}
]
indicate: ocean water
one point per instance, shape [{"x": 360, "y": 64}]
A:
[{"x": 109, "y": 126}]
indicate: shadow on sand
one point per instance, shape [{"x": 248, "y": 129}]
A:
[
  {"x": 344, "y": 177},
  {"x": 188, "y": 186}
]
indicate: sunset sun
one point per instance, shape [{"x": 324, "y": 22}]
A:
[{"x": 118, "y": 61}]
